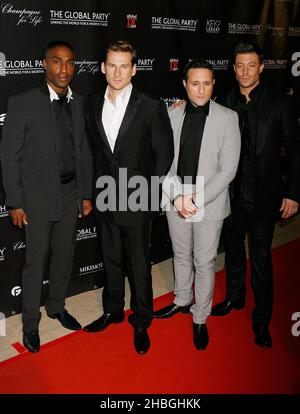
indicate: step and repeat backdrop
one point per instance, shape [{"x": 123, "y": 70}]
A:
[{"x": 166, "y": 34}]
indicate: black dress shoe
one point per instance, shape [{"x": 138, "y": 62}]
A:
[
  {"x": 31, "y": 341},
  {"x": 68, "y": 321},
  {"x": 262, "y": 336},
  {"x": 103, "y": 322},
  {"x": 171, "y": 310},
  {"x": 201, "y": 337},
  {"x": 223, "y": 308},
  {"x": 141, "y": 340}
]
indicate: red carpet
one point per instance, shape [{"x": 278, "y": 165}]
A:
[{"x": 107, "y": 363}]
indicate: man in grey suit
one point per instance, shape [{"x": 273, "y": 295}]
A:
[
  {"x": 47, "y": 178},
  {"x": 195, "y": 193}
]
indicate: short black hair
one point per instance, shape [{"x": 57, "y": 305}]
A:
[
  {"x": 197, "y": 64},
  {"x": 244, "y": 47},
  {"x": 57, "y": 43}
]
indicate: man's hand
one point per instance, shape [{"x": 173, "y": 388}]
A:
[
  {"x": 185, "y": 206},
  {"x": 87, "y": 207},
  {"x": 178, "y": 103},
  {"x": 288, "y": 208},
  {"x": 18, "y": 217}
]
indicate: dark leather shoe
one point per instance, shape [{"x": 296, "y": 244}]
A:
[
  {"x": 171, "y": 310},
  {"x": 223, "y": 308},
  {"x": 103, "y": 322},
  {"x": 201, "y": 337},
  {"x": 31, "y": 341},
  {"x": 141, "y": 340},
  {"x": 262, "y": 336},
  {"x": 68, "y": 321}
]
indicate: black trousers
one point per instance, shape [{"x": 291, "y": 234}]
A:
[
  {"x": 260, "y": 233},
  {"x": 49, "y": 245},
  {"x": 127, "y": 248}
]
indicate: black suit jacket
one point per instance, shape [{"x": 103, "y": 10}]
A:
[
  {"x": 31, "y": 176},
  {"x": 144, "y": 147},
  {"x": 276, "y": 129}
]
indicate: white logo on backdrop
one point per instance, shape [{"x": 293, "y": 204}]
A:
[
  {"x": 3, "y": 211},
  {"x": 85, "y": 270},
  {"x": 275, "y": 63},
  {"x": 79, "y": 18},
  {"x": 23, "y": 15},
  {"x": 213, "y": 26},
  {"x": 243, "y": 28},
  {"x": 294, "y": 31},
  {"x": 19, "y": 245},
  {"x": 19, "y": 67},
  {"x": 2, "y": 65},
  {"x": 2, "y": 257},
  {"x": 2, "y": 119},
  {"x": 87, "y": 66},
  {"x": 87, "y": 233},
  {"x": 171, "y": 23},
  {"x": 16, "y": 291},
  {"x": 145, "y": 64},
  {"x": 219, "y": 64},
  {"x": 276, "y": 31}
]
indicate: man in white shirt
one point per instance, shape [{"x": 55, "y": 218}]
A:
[
  {"x": 132, "y": 140},
  {"x": 113, "y": 113}
]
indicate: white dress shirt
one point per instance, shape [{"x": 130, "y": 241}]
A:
[
  {"x": 54, "y": 96},
  {"x": 112, "y": 115}
]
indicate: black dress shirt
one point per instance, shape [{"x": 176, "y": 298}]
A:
[
  {"x": 248, "y": 116},
  {"x": 64, "y": 137},
  {"x": 190, "y": 142}
]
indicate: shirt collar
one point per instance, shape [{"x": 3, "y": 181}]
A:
[
  {"x": 254, "y": 93},
  {"x": 192, "y": 109},
  {"x": 121, "y": 97},
  {"x": 54, "y": 95}
]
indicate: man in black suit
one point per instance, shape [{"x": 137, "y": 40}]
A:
[
  {"x": 132, "y": 139},
  {"x": 259, "y": 193},
  {"x": 47, "y": 178}
]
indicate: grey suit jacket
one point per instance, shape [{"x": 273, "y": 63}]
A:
[
  {"x": 218, "y": 161},
  {"x": 28, "y": 155}
]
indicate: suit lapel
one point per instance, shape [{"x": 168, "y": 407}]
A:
[
  {"x": 99, "y": 101},
  {"x": 177, "y": 124},
  {"x": 75, "y": 122},
  {"x": 208, "y": 138},
  {"x": 133, "y": 104},
  {"x": 47, "y": 115},
  {"x": 260, "y": 136}
]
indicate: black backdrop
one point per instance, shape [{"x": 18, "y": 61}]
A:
[{"x": 166, "y": 34}]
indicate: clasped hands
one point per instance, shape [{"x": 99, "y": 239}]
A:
[{"x": 185, "y": 205}]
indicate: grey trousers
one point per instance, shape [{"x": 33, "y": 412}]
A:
[
  {"x": 195, "y": 246},
  {"x": 49, "y": 246}
]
